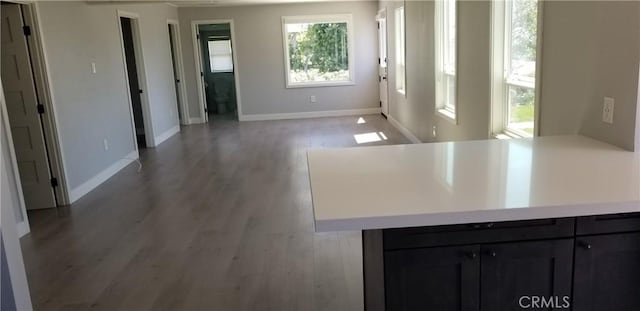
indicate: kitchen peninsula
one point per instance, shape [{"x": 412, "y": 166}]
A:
[{"x": 488, "y": 225}]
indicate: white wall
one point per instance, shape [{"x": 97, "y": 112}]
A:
[
  {"x": 590, "y": 50},
  {"x": 92, "y": 107},
  {"x": 259, "y": 48}
]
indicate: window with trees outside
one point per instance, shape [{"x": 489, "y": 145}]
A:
[
  {"x": 515, "y": 84},
  {"x": 401, "y": 74},
  {"x": 318, "y": 50},
  {"x": 445, "y": 26}
]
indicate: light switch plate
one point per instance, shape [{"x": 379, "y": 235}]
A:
[
  {"x": 312, "y": 99},
  {"x": 607, "y": 110}
]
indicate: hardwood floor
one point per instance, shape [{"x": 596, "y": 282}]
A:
[{"x": 219, "y": 218}]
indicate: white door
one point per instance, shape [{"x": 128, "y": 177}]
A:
[
  {"x": 22, "y": 108},
  {"x": 382, "y": 61}
]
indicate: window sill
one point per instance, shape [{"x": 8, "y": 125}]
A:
[
  {"x": 320, "y": 84},
  {"x": 506, "y": 134},
  {"x": 447, "y": 115}
]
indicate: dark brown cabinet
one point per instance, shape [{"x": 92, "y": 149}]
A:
[
  {"x": 518, "y": 275},
  {"x": 439, "y": 278},
  {"x": 582, "y": 264},
  {"x": 607, "y": 273},
  {"x": 488, "y": 277}
]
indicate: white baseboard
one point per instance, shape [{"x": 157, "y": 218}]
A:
[
  {"x": 403, "y": 130},
  {"x": 22, "y": 228},
  {"x": 195, "y": 120},
  {"x": 167, "y": 134},
  {"x": 305, "y": 115},
  {"x": 95, "y": 181}
]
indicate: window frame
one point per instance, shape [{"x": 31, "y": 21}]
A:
[
  {"x": 211, "y": 70},
  {"x": 503, "y": 79},
  {"x": 400, "y": 50},
  {"x": 318, "y": 19},
  {"x": 446, "y": 74}
]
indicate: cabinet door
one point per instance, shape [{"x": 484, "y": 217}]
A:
[
  {"x": 440, "y": 278},
  {"x": 526, "y": 274},
  {"x": 607, "y": 273}
]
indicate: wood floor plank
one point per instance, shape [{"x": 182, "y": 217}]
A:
[{"x": 219, "y": 218}]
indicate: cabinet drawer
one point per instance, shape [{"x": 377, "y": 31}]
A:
[
  {"x": 613, "y": 223},
  {"x": 478, "y": 233}
]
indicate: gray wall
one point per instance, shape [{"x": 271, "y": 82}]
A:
[
  {"x": 92, "y": 107},
  {"x": 590, "y": 50},
  {"x": 415, "y": 110},
  {"x": 259, "y": 48}
]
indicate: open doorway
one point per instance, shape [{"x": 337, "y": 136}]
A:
[
  {"x": 176, "y": 61},
  {"x": 134, "y": 83},
  {"x": 218, "y": 73},
  {"x": 25, "y": 111},
  {"x": 382, "y": 62}
]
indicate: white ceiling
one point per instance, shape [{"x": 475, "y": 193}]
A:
[{"x": 187, "y": 3}]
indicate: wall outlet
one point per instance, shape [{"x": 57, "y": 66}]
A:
[
  {"x": 105, "y": 142},
  {"x": 434, "y": 131},
  {"x": 607, "y": 110},
  {"x": 93, "y": 67},
  {"x": 312, "y": 99}
]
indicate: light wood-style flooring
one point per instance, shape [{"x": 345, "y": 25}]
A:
[{"x": 219, "y": 218}]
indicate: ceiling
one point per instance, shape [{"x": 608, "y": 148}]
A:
[{"x": 188, "y": 3}]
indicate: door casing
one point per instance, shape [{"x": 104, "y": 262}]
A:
[{"x": 197, "y": 51}]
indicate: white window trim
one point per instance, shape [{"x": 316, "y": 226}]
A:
[
  {"x": 501, "y": 81},
  {"x": 443, "y": 110},
  {"x": 400, "y": 49},
  {"x": 332, "y": 18}
]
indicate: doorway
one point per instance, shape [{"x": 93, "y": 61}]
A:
[
  {"x": 382, "y": 62},
  {"x": 25, "y": 110},
  {"x": 135, "y": 91},
  {"x": 216, "y": 60},
  {"x": 176, "y": 61}
]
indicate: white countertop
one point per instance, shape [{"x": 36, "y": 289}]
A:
[{"x": 467, "y": 182}]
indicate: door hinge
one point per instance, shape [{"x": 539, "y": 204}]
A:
[
  {"x": 140, "y": 91},
  {"x": 379, "y": 61},
  {"x": 378, "y": 25},
  {"x": 26, "y": 30},
  {"x": 40, "y": 108},
  {"x": 201, "y": 74},
  {"x": 54, "y": 182},
  {"x": 380, "y": 103},
  {"x": 198, "y": 36}
]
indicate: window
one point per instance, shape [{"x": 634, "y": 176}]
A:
[
  {"x": 446, "y": 58},
  {"x": 220, "y": 56},
  {"x": 318, "y": 50},
  {"x": 401, "y": 74},
  {"x": 514, "y": 87}
]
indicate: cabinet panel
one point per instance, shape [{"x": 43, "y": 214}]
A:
[
  {"x": 533, "y": 269},
  {"x": 442, "y": 278},
  {"x": 607, "y": 273},
  {"x": 478, "y": 233},
  {"x": 614, "y": 223}
]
